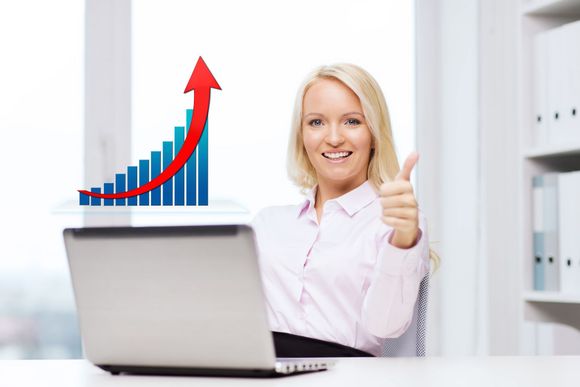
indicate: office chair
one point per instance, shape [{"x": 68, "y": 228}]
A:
[{"x": 412, "y": 342}]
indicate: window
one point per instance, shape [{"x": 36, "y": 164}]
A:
[{"x": 41, "y": 123}]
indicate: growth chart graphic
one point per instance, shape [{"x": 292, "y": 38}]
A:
[{"x": 178, "y": 173}]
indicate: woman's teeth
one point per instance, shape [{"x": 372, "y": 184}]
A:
[{"x": 336, "y": 155}]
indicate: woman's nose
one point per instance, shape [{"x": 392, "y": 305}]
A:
[{"x": 334, "y": 135}]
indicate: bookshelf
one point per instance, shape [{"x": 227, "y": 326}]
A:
[{"x": 536, "y": 16}]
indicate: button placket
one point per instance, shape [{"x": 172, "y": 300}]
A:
[{"x": 311, "y": 244}]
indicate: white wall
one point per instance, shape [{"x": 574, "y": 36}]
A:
[
  {"x": 451, "y": 99},
  {"x": 459, "y": 176},
  {"x": 447, "y": 130},
  {"x": 498, "y": 109}
]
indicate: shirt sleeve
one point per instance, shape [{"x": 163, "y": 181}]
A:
[{"x": 390, "y": 300}]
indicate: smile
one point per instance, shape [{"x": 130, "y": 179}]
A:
[{"x": 336, "y": 155}]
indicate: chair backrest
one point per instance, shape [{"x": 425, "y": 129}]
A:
[{"x": 412, "y": 342}]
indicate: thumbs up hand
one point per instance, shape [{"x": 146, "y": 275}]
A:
[{"x": 400, "y": 207}]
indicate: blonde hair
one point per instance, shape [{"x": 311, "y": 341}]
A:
[{"x": 383, "y": 164}]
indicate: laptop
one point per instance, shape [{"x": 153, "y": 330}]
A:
[{"x": 180, "y": 300}]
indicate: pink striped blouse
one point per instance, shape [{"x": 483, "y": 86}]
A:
[{"x": 340, "y": 280}]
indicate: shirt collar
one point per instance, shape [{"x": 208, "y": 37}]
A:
[{"x": 351, "y": 201}]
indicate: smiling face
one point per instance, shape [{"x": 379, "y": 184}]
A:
[{"x": 336, "y": 137}]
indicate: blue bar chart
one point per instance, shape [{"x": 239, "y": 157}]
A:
[{"x": 187, "y": 187}]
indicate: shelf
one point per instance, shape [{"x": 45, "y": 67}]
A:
[
  {"x": 552, "y": 8},
  {"x": 552, "y": 307},
  {"x": 216, "y": 206},
  {"x": 219, "y": 211},
  {"x": 552, "y": 151},
  {"x": 551, "y": 297}
]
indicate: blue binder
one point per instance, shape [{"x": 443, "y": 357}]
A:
[
  {"x": 538, "y": 231},
  {"x": 551, "y": 233}
]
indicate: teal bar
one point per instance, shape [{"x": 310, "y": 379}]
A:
[
  {"x": 203, "y": 166},
  {"x": 168, "y": 185},
  {"x": 84, "y": 199},
  {"x": 120, "y": 186},
  {"x": 109, "y": 188},
  {"x": 191, "y": 170},
  {"x": 155, "y": 171},
  {"x": 132, "y": 184},
  {"x": 95, "y": 201},
  {"x": 180, "y": 175},
  {"x": 143, "y": 179}
]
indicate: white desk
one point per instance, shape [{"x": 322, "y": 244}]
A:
[{"x": 560, "y": 371}]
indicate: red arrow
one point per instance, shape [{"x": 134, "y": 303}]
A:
[{"x": 201, "y": 82}]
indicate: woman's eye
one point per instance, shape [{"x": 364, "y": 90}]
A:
[
  {"x": 315, "y": 122},
  {"x": 353, "y": 121}
]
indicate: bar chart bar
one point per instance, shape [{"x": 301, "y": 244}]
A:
[
  {"x": 203, "y": 164},
  {"x": 168, "y": 185},
  {"x": 143, "y": 179},
  {"x": 191, "y": 170},
  {"x": 95, "y": 201},
  {"x": 120, "y": 186},
  {"x": 155, "y": 171},
  {"x": 84, "y": 200},
  {"x": 132, "y": 184},
  {"x": 180, "y": 175},
  {"x": 109, "y": 189}
]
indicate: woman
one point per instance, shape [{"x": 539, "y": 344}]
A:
[{"x": 344, "y": 265}]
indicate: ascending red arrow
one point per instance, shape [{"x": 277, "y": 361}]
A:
[{"x": 201, "y": 82}]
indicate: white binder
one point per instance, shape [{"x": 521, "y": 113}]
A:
[
  {"x": 541, "y": 116},
  {"x": 556, "y": 85},
  {"x": 573, "y": 102},
  {"x": 563, "y": 46},
  {"x": 569, "y": 227}
]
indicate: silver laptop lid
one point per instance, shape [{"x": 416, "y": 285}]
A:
[{"x": 185, "y": 296}]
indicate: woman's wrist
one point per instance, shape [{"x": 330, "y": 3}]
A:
[{"x": 404, "y": 240}]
